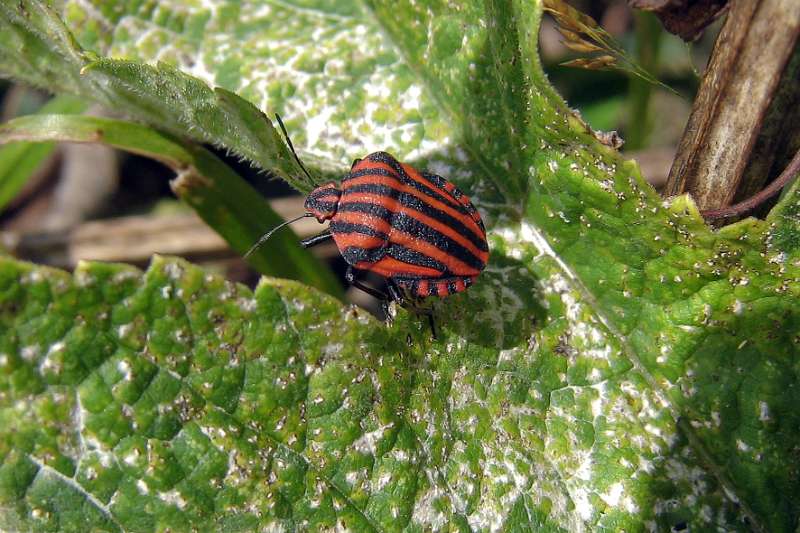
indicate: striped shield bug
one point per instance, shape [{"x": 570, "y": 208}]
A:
[{"x": 414, "y": 229}]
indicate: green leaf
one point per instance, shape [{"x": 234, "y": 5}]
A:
[
  {"x": 231, "y": 54},
  {"x": 706, "y": 319},
  {"x": 220, "y": 197},
  {"x": 689, "y": 307},
  {"x": 784, "y": 223},
  {"x": 94, "y": 434},
  {"x": 19, "y": 161},
  {"x": 618, "y": 366},
  {"x": 324, "y": 66},
  {"x": 161, "y": 95}
]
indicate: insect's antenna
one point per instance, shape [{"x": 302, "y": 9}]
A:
[
  {"x": 267, "y": 235},
  {"x": 289, "y": 142}
]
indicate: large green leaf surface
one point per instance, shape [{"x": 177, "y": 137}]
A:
[
  {"x": 618, "y": 366},
  {"x": 325, "y": 66}
]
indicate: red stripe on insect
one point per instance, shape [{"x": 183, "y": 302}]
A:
[
  {"x": 348, "y": 240},
  {"x": 376, "y": 199},
  {"x": 441, "y": 288},
  {"x": 393, "y": 183},
  {"x": 416, "y": 176},
  {"x": 389, "y": 266},
  {"x": 412, "y": 175},
  {"x": 375, "y": 222},
  {"x": 383, "y": 201},
  {"x": 422, "y": 287},
  {"x": 453, "y": 264}
]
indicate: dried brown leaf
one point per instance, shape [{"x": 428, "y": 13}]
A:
[
  {"x": 582, "y": 46},
  {"x": 568, "y": 17},
  {"x": 592, "y": 63},
  {"x": 568, "y": 34}
]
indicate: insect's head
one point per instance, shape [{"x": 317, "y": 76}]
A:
[{"x": 323, "y": 201}]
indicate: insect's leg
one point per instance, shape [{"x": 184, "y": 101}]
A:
[
  {"x": 381, "y": 296},
  {"x": 433, "y": 324},
  {"x": 394, "y": 293},
  {"x": 393, "y": 296},
  {"x": 316, "y": 239},
  {"x": 351, "y": 279},
  {"x": 431, "y": 320},
  {"x": 397, "y": 296}
]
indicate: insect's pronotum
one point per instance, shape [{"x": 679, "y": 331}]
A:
[{"x": 414, "y": 229}]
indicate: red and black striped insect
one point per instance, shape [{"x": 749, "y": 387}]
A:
[{"x": 414, "y": 229}]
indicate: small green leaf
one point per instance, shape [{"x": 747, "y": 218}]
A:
[
  {"x": 19, "y": 161},
  {"x": 220, "y": 197},
  {"x": 162, "y": 95}
]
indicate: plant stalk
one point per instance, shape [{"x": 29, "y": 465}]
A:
[{"x": 745, "y": 70}]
